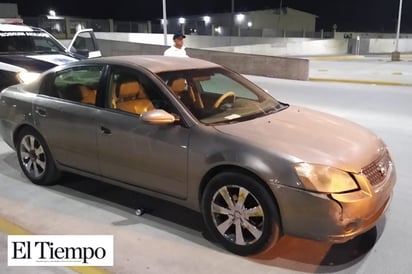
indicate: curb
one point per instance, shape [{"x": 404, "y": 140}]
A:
[
  {"x": 10, "y": 228},
  {"x": 337, "y": 58},
  {"x": 366, "y": 82}
]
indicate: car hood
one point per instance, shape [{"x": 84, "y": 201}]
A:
[
  {"x": 36, "y": 62},
  {"x": 304, "y": 135}
]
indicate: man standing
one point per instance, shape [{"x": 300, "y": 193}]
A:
[{"x": 178, "y": 49}]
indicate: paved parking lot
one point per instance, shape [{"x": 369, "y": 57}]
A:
[
  {"x": 377, "y": 69},
  {"x": 171, "y": 239}
]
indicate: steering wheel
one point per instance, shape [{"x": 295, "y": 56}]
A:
[{"x": 222, "y": 98}]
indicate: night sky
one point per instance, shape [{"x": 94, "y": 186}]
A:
[{"x": 349, "y": 15}]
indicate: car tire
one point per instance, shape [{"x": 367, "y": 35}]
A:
[
  {"x": 240, "y": 213},
  {"x": 35, "y": 158}
]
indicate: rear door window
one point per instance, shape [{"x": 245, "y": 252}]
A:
[{"x": 77, "y": 84}]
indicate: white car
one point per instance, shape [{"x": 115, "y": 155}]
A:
[{"x": 27, "y": 51}]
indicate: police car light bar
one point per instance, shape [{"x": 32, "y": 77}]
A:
[{"x": 11, "y": 21}]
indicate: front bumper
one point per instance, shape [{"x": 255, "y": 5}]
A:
[{"x": 334, "y": 218}]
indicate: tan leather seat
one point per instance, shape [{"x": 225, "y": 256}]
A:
[
  {"x": 128, "y": 98},
  {"x": 88, "y": 95}
]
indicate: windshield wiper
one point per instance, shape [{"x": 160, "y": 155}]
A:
[{"x": 273, "y": 109}]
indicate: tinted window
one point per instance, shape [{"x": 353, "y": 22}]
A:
[
  {"x": 77, "y": 84},
  {"x": 21, "y": 41}
]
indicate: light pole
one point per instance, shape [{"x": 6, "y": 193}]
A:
[
  {"x": 207, "y": 20},
  {"x": 396, "y": 56},
  {"x": 280, "y": 13},
  {"x": 182, "y": 22},
  {"x": 232, "y": 17},
  {"x": 164, "y": 23},
  {"x": 239, "y": 18}
]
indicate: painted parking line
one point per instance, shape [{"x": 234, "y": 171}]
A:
[
  {"x": 336, "y": 58},
  {"x": 10, "y": 228},
  {"x": 353, "y": 81},
  {"x": 346, "y": 57}
]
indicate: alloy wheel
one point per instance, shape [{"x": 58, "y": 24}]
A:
[
  {"x": 237, "y": 215},
  {"x": 33, "y": 156}
]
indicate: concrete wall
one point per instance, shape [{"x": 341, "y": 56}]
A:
[
  {"x": 249, "y": 45},
  {"x": 388, "y": 45},
  {"x": 296, "y": 47},
  {"x": 270, "y": 66},
  {"x": 193, "y": 41},
  {"x": 270, "y": 46}
]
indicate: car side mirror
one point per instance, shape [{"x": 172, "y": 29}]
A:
[
  {"x": 159, "y": 117},
  {"x": 85, "y": 43},
  {"x": 83, "y": 52}
]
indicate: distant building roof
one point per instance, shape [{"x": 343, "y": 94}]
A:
[{"x": 8, "y": 10}]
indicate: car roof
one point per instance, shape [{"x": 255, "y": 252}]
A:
[
  {"x": 13, "y": 27},
  {"x": 156, "y": 63}
]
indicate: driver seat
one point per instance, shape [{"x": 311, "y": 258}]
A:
[{"x": 183, "y": 91}]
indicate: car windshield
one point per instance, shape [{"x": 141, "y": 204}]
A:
[
  {"x": 28, "y": 41},
  {"x": 216, "y": 96}
]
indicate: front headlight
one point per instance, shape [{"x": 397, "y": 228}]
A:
[
  {"x": 325, "y": 179},
  {"x": 27, "y": 77}
]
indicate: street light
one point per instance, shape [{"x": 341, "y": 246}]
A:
[
  {"x": 396, "y": 56},
  {"x": 207, "y": 19},
  {"x": 182, "y": 22},
  {"x": 53, "y": 16},
  {"x": 164, "y": 22},
  {"x": 239, "y": 18},
  {"x": 232, "y": 17},
  {"x": 280, "y": 13}
]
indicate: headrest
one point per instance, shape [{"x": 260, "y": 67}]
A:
[
  {"x": 129, "y": 89},
  {"x": 178, "y": 85},
  {"x": 88, "y": 94}
]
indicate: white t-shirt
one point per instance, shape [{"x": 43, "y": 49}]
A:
[{"x": 173, "y": 51}]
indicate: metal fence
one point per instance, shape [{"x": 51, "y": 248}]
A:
[{"x": 66, "y": 27}]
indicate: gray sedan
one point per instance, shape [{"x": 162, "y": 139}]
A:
[{"x": 200, "y": 135}]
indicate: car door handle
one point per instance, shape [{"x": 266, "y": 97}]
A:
[
  {"x": 105, "y": 130},
  {"x": 41, "y": 112}
]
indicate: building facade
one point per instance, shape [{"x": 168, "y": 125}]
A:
[{"x": 261, "y": 23}]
